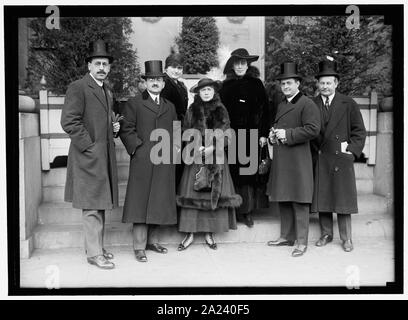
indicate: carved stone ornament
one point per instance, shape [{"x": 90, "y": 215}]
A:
[
  {"x": 236, "y": 19},
  {"x": 151, "y": 19}
]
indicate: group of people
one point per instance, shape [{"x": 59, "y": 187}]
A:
[{"x": 314, "y": 143}]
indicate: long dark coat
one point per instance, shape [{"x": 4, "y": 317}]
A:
[
  {"x": 91, "y": 172},
  {"x": 177, "y": 94},
  {"x": 291, "y": 177},
  {"x": 335, "y": 183},
  {"x": 247, "y": 105},
  {"x": 150, "y": 194}
]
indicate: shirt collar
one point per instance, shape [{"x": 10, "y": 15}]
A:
[
  {"x": 98, "y": 82},
  {"x": 330, "y": 98},
  {"x": 294, "y": 98},
  {"x": 154, "y": 96}
]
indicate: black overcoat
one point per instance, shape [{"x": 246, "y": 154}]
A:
[
  {"x": 291, "y": 177},
  {"x": 91, "y": 170},
  {"x": 335, "y": 184},
  {"x": 150, "y": 194},
  {"x": 247, "y": 105},
  {"x": 176, "y": 93}
]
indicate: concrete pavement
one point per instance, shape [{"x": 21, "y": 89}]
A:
[{"x": 233, "y": 264}]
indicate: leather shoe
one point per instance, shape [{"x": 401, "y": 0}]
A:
[
  {"x": 209, "y": 240},
  {"x": 187, "y": 241},
  {"x": 101, "y": 262},
  {"x": 324, "y": 240},
  {"x": 299, "y": 251},
  {"x": 140, "y": 255},
  {"x": 247, "y": 219},
  {"x": 347, "y": 246},
  {"x": 107, "y": 254},
  {"x": 156, "y": 247},
  {"x": 280, "y": 242}
]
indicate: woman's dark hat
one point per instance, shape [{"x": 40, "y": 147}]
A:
[
  {"x": 174, "y": 60},
  {"x": 99, "y": 49},
  {"x": 327, "y": 68},
  {"x": 289, "y": 70},
  {"x": 239, "y": 54},
  {"x": 205, "y": 82},
  {"x": 153, "y": 69}
]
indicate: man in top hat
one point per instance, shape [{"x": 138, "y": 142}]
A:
[
  {"x": 91, "y": 183},
  {"x": 340, "y": 142},
  {"x": 290, "y": 184},
  {"x": 150, "y": 196}
]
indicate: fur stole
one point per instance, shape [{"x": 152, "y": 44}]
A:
[{"x": 207, "y": 115}]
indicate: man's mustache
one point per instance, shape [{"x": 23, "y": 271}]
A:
[{"x": 101, "y": 72}]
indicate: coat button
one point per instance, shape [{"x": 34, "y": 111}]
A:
[
  {"x": 337, "y": 151},
  {"x": 337, "y": 137},
  {"x": 336, "y": 169},
  {"x": 320, "y": 151}
]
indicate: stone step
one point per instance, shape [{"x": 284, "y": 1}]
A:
[
  {"x": 57, "y": 176},
  {"x": 63, "y": 213},
  {"x": 363, "y": 171},
  {"x": 55, "y": 193},
  {"x": 364, "y": 186},
  {"x": 266, "y": 227}
]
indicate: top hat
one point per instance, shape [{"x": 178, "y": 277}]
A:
[
  {"x": 327, "y": 68},
  {"x": 153, "y": 69},
  {"x": 175, "y": 59},
  {"x": 238, "y": 54},
  {"x": 205, "y": 82},
  {"x": 99, "y": 49},
  {"x": 288, "y": 70}
]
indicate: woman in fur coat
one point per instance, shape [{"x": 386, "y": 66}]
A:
[
  {"x": 244, "y": 96},
  {"x": 209, "y": 211}
]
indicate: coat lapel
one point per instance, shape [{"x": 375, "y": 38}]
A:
[
  {"x": 336, "y": 114},
  {"x": 164, "y": 107},
  {"x": 97, "y": 91},
  {"x": 149, "y": 103},
  {"x": 284, "y": 108}
]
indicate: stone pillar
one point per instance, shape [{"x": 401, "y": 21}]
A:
[
  {"x": 29, "y": 173},
  {"x": 384, "y": 169}
]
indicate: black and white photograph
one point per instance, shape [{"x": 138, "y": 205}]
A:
[{"x": 248, "y": 149}]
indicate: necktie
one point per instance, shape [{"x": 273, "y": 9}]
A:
[
  {"x": 326, "y": 110},
  {"x": 156, "y": 100}
]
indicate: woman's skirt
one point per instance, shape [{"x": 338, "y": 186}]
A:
[{"x": 195, "y": 219}]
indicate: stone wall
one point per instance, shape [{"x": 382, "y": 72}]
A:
[
  {"x": 153, "y": 39},
  {"x": 30, "y": 179}
]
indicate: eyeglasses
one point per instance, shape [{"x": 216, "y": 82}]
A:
[{"x": 154, "y": 79}]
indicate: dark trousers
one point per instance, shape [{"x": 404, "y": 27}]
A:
[
  {"x": 343, "y": 220},
  {"x": 294, "y": 221},
  {"x": 94, "y": 226},
  {"x": 143, "y": 234}
]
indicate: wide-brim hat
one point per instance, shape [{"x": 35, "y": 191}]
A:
[
  {"x": 99, "y": 49},
  {"x": 327, "y": 68},
  {"x": 238, "y": 54},
  {"x": 153, "y": 69},
  {"x": 289, "y": 70},
  {"x": 205, "y": 82}
]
